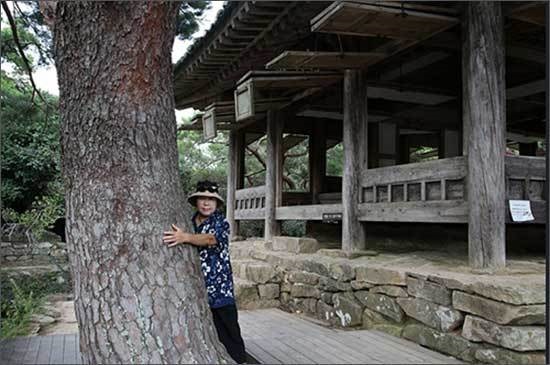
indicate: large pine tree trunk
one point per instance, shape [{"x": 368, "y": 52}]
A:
[{"x": 136, "y": 300}]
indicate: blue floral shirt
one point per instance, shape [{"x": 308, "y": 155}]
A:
[{"x": 215, "y": 263}]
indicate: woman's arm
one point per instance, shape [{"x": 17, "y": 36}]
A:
[{"x": 177, "y": 236}]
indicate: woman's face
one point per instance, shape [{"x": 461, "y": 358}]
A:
[{"x": 206, "y": 206}]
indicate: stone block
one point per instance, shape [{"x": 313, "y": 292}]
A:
[
  {"x": 295, "y": 244},
  {"x": 501, "y": 313},
  {"x": 331, "y": 252},
  {"x": 360, "y": 285},
  {"x": 362, "y": 296},
  {"x": 45, "y": 245},
  {"x": 319, "y": 267},
  {"x": 331, "y": 285},
  {"x": 391, "y": 290},
  {"x": 303, "y": 277},
  {"x": 499, "y": 356},
  {"x": 347, "y": 309},
  {"x": 303, "y": 305},
  {"x": 441, "y": 318},
  {"x": 430, "y": 291},
  {"x": 260, "y": 272},
  {"x": 385, "y": 305},
  {"x": 342, "y": 271},
  {"x": 517, "y": 338},
  {"x": 246, "y": 292},
  {"x": 372, "y": 318},
  {"x": 381, "y": 275},
  {"x": 268, "y": 291},
  {"x": 325, "y": 312},
  {"x": 326, "y": 297},
  {"x": 447, "y": 343},
  {"x": 304, "y": 291},
  {"x": 286, "y": 287}
]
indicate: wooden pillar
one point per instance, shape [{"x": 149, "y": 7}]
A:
[
  {"x": 484, "y": 118},
  {"x": 317, "y": 160},
  {"x": 235, "y": 171},
  {"x": 273, "y": 188},
  {"x": 355, "y": 133}
]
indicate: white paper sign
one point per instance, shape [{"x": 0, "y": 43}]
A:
[{"x": 521, "y": 210}]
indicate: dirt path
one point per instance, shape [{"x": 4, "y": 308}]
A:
[{"x": 66, "y": 323}]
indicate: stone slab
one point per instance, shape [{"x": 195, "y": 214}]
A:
[
  {"x": 517, "y": 338},
  {"x": 501, "y": 313},
  {"x": 439, "y": 317},
  {"x": 447, "y": 343},
  {"x": 385, "y": 305},
  {"x": 428, "y": 290},
  {"x": 391, "y": 290}
]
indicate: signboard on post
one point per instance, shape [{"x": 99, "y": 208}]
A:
[
  {"x": 333, "y": 218},
  {"x": 208, "y": 125},
  {"x": 521, "y": 210}
]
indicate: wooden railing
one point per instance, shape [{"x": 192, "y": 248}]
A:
[
  {"x": 250, "y": 203},
  {"x": 432, "y": 191},
  {"x": 431, "y": 180},
  {"x": 525, "y": 179}
]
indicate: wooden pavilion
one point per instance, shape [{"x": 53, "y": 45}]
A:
[{"x": 382, "y": 78}]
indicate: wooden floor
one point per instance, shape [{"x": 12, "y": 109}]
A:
[
  {"x": 275, "y": 337},
  {"x": 271, "y": 337}
]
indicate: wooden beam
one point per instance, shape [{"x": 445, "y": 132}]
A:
[
  {"x": 232, "y": 176},
  {"x": 530, "y": 88},
  {"x": 414, "y": 65},
  {"x": 355, "y": 135},
  {"x": 417, "y": 97},
  {"x": 317, "y": 160},
  {"x": 296, "y": 60},
  {"x": 375, "y": 19},
  {"x": 484, "y": 132},
  {"x": 274, "y": 138}
]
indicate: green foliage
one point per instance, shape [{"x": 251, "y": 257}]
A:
[
  {"x": 34, "y": 37},
  {"x": 293, "y": 228},
  {"x": 189, "y": 13},
  {"x": 17, "y": 311},
  {"x": 30, "y": 149},
  {"x": 44, "y": 211},
  {"x": 335, "y": 160},
  {"x": 24, "y": 295}
]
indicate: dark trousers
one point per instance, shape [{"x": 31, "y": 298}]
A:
[{"x": 227, "y": 324}]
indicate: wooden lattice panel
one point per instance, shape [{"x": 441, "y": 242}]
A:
[
  {"x": 371, "y": 19},
  {"x": 296, "y": 60}
]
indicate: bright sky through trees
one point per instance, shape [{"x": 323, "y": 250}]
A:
[{"x": 46, "y": 78}]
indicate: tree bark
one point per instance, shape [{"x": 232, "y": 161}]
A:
[
  {"x": 484, "y": 108},
  {"x": 136, "y": 300}
]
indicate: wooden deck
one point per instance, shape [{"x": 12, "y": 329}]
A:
[
  {"x": 276, "y": 337},
  {"x": 271, "y": 337}
]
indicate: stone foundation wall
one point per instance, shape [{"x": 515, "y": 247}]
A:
[
  {"x": 476, "y": 318},
  {"x": 21, "y": 249}
]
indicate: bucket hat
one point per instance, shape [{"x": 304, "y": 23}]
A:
[{"x": 207, "y": 189}]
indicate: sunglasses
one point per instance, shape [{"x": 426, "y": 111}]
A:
[{"x": 202, "y": 187}]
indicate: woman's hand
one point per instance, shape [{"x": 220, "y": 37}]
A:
[{"x": 175, "y": 237}]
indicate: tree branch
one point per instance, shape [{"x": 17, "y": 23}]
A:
[{"x": 13, "y": 27}]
